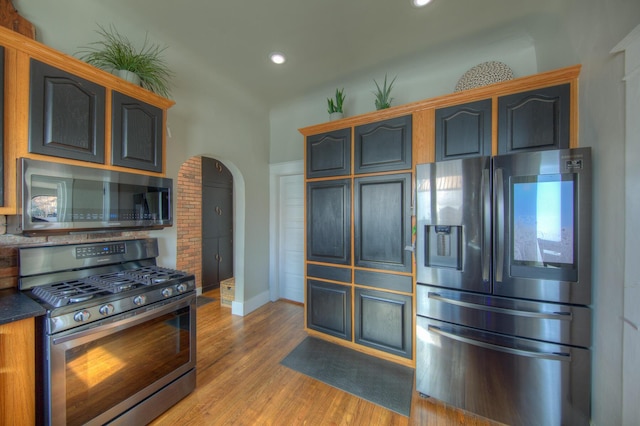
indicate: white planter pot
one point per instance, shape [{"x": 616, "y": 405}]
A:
[
  {"x": 336, "y": 116},
  {"x": 129, "y": 76}
]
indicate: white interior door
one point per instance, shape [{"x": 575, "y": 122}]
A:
[{"x": 291, "y": 238}]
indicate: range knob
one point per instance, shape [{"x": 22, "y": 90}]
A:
[
  {"x": 167, "y": 292},
  {"x": 106, "y": 309},
  {"x": 139, "y": 300},
  {"x": 182, "y": 288},
  {"x": 82, "y": 316}
]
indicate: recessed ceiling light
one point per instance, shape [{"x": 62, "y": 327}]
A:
[
  {"x": 277, "y": 58},
  {"x": 420, "y": 3}
]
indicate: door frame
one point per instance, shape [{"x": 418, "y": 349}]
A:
[{"x": 276, "y": 172}]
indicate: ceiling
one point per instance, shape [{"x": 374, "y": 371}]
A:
[{"x": 325, "y": 41}]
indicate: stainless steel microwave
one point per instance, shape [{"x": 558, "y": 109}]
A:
[{"x": 61, "y": 198}]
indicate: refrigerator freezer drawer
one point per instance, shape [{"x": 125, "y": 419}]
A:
[
  {"x": 549, "y": 322},
  {"x": 511, "y": 380}
]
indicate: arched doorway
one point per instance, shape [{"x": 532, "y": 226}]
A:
[
  {"x": 189, "y": 227},
  {"x": 217, "y": 223}
]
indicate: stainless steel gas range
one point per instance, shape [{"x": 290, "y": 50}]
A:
[{"x": 117, "y": 344}]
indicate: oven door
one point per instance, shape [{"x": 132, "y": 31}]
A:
[{"x": 97, "y": 373}]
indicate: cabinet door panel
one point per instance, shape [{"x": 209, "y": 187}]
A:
[
  {"x": 383, "y": 321},
  {"x": 225, "y": 258},
  {"x": 210, "y": 266},
  {"x": 463, "y": 130},
  {"x": 137, "y": 134},
  {"x": 383, "y": 222},
  {"x": 66, "y": 115},
  {"x": 328, "y": 221},
  {"x": 383, "y": 146},
  {"x": 217, "y": 215},
  {"x": 215, "y": 173},
  {"x": 329, "y": 308},
  {"x": 534, "y": 120},
  {"x": 329, "y": 154}
]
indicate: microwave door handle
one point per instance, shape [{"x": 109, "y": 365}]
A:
[
  {"x": 554, "y": 356},
  {"x": 498, "y": 190},
  {"x": 485, "y": 197}
]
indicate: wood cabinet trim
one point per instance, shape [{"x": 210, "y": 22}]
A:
[{"x": 521, "y": 84}]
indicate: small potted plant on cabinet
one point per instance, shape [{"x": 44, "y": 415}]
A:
[
  {"x": 335, "y": 106},
  {"x": 116, "y": 54},
  {"x": 383, "y": 94}
]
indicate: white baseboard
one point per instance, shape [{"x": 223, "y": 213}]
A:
[{"x": 244, "y": 308}]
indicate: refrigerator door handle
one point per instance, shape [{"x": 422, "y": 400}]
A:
[
  {"x": 554, "y": 356},
  {"x": 498, "y": 190},
  {"x": 561, "y": 316},
  {"x": 486, "y": 223}
]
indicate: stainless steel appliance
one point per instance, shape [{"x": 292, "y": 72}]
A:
[
  {"x": 61, "y": 198},
  {"x": 118, "y": 342},
  {"x": 503, "y": 252}
]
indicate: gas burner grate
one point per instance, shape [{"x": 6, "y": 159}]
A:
[
  {"x": 151, "y": 275},
  {"x": 115, "y": 282},
  {"x": 66, "y": 292}
]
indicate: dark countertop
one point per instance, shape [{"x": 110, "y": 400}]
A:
[{"x": 15, "y": 306}]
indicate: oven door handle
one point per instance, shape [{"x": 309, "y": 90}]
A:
[
  {"x": 561, "y": 316},
  {"x": 554, "y": 356},
  {"x": 121, "y": 321}
]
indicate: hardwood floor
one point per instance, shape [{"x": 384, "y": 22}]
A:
[{"x": 240, "y": 380}]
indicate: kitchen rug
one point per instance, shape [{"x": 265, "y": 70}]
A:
[
  {"x": 379, "y": 381},
  {"x": 203, "y": 300}
]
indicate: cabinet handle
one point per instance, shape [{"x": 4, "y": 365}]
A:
[
  {"x": 218, "y": 210},
  {"x": 218, "y": 167}
]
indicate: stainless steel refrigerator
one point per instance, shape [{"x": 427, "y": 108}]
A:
[{"x": 503, "y": 253}]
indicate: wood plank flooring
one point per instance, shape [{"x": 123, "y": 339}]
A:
[{"x": 240, "y": 380}]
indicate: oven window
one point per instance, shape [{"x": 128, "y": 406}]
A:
[{"x": 106, "y": 371}]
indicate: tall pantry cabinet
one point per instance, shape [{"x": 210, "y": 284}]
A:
[
  {"x": 358, "y": 235},
  {"x": 359, "y": 266}
]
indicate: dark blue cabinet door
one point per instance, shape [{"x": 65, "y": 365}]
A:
[
  {"x": 329, "y": 308},
  {"x": 66, "y": 114},
  {"x": 383, "y": 321},
  {"x": 534, "y": 120},
  {"x": 329, "y": 221},
  {"x": 382, "y": 228},
  {"x": 329, "y": 154},
  {"x": 463, "y": 130},
  {"x": 383, "y": 146},
  {"x": 136, "y": 134}
]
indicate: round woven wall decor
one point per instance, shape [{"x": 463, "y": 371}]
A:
[{"x": 484, "y": 74}]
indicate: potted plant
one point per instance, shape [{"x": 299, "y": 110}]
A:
[
  {"x": 335, "y": 108},
  {"x": 383, "y": 94},
  {"x": 116, "y": 54}
]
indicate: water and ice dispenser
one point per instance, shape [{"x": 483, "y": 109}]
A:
[{"x": 443, "y": 246}]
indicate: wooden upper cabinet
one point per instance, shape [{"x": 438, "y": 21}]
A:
[
  {"x": 463, "y": 130},
  {"x": 383, "y": 146},
  {"x": 329, "y": 154},
  {"x": 136, "y": 134},
  {"x": 66, "y": 115},
  {"x": 535, "y": 120}
]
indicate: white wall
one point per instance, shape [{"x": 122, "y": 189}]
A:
[
  {"x": 211, "y": 117},
  {"x": 585, "y": 33}
]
